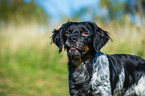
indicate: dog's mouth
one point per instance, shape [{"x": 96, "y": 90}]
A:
[
  {"x": 77, "y": 52},
  {"x": 74, "y": 51}
]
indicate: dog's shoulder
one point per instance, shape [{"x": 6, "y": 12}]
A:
[{"x": 130, "y": 62}]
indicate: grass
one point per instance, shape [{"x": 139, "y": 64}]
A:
[{"x": 30, "y": 66}]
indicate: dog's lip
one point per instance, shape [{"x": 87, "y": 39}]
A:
[
  {"x": 73, "y": 49},
  {"x": 77, "y": 50},
  {"x": 73, "y": 52}
]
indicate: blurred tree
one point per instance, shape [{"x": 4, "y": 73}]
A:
[
  {"x": 109, "y": 10},
  {"x": 114, "y": 8},
  {"x": 119, "y": 8},
  {"x": 20, "y": 11},
  {"x": 135, "y": 6}
]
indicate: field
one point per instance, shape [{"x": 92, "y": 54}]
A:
[{"x": 31, "y": 66}]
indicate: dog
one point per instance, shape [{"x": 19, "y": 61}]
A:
[{"x": 92, "y": 72}]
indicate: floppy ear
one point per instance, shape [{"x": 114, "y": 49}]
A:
[
  {"x": 100, "y": 37},
  {"x": 57, "y": 37}
]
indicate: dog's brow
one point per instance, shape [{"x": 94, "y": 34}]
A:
[
  {"x": 70, "y": 29},
  {"x": 81, "y": 29}
]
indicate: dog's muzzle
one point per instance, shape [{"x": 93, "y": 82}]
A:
[
  {"x": 77, "y": 52},
  {"x": 74, "y": 51},
  {"x": 75, "y": 47}
]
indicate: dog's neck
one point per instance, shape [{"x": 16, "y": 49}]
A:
[
  {"x": 76, "y": 62},
  {"x": 81, "y": 73},
  {"x": 94, "y": 71}
]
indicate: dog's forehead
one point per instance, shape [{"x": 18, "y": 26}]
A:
[{"x": 77, "y": 25}]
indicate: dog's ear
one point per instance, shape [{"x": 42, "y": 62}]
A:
[
  {"x": 57, "y": 37},
  {"x": 100, "y": 37}
]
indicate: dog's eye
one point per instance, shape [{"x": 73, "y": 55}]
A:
[
  {"x": 67, "y": 33},
  {"x": 85, "y": 34}
]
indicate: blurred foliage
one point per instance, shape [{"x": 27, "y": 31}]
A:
[
  {"x": 105, "y": 11},
  {"x": 112, "y": 10},
  {"x": 30, "y": 66},
  {"x": 114, "y": 7},
  {"x": 135, "y": 6},
  {"x": 19, "y": 11}
]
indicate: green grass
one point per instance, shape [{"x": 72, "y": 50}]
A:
[{"x": 31, "y": 66}]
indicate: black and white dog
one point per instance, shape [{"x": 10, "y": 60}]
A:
[{"x": 93, "y": 73}]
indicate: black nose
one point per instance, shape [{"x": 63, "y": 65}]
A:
[{"x": 73, "y": 39}]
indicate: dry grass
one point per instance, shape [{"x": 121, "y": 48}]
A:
[{"x": 29, "y": 65}]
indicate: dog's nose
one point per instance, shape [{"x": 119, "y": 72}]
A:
[{"x": 73, "y": 39}]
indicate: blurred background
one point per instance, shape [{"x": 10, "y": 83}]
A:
[{"x": 31, "y": 66}]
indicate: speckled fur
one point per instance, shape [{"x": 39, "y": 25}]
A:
[
  {"x": 101, "y": 76},
  {"x": 93, "y": 73}
]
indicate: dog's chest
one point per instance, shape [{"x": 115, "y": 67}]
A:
[
  {"x": 97, "y": 82},
  {"x": 79, "y": 82},
  {"x": 100, "y": 80}
]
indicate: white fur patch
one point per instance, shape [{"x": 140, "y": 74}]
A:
[
  {"x": 119, "y": 86},
  {"x": 101, "y": 75},
  {"x": 101, "y": 85},
  {"x": 140, "y": 88}
]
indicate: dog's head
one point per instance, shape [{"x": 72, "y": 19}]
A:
[{"x": 80, "y": 38}]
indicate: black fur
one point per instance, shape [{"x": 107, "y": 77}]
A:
[{"x": 83, "y": 40}]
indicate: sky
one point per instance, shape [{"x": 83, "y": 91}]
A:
[{"x": 56, "y": 8}]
